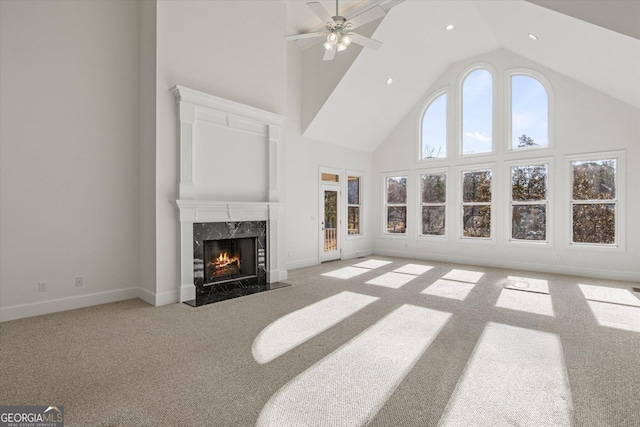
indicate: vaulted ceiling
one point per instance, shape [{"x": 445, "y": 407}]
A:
[{"x": 598, "y": 46}]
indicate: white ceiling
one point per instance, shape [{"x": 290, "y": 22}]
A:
[{"x": 362, "y": 110}]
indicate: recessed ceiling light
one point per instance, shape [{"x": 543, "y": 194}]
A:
[
  {"x": 449, "y": 27},
  {"x": 389, "y": 81},
  {"x": 533, "y": 36}
]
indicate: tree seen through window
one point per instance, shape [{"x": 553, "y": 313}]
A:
[
  {"x": 396, "y": 215},
  {"x": 594, "y": 201}
]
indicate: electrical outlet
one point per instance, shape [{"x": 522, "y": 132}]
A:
[
  {"x": 79, "y": 281},
  {"x": 42, "y": 286}
]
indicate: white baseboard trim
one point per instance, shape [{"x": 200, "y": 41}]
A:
[
  {"x": 166, "y": 298},
  {"x": 187, "y": 292},
  {"x": 147, "y": 296},
  {"x": 161, "y": 299},
  {"x": 63, "y": 304},
  {"x": 302, "y": 263},
  {"x": 543, "y": 268},
  {"x": 277, "y": 276},
  {"x": 357, "y": 254}
]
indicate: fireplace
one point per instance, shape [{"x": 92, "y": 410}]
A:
[
  {"x": 209, "y": 209},
  {"x": 229, "y": 259}
]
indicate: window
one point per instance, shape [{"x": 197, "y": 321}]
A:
[
  {"x": 353, "y": 205},
  {"x": 330, "y": 177},
  {"x": 529, "y": 113},
  {"x": 477, "y": 112},
  {"x": 476, "y": 203},
  {"x": 594, "y": 201},
  {"x": 396, "y": 204},
  {"x": 529, "y": 202},
  {"x": 434, "y": 129},
  {"x": 433, "y": 195}
]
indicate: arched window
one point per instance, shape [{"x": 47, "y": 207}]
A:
[
  {"x": 477, "y": 112},
  {"x": 434, "y": 129},
  {"x": 529, "y": 113}
]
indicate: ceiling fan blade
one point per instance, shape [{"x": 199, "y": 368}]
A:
[
  {"x": 365, "y": 41},
  {"x": 368, "y": 16},
  {"x": 319, "y": 10},
  {"x": 303, "y": 35},
  {"x": 329, "y": 55}
]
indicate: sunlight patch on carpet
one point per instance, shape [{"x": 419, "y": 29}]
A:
[
  {"x": 392, "y": 280},
  {"x": 301, "y": 325},
  {"x": 449, "y": 289},
  {"x": 530, "y": 302},
  {"x": 346, "y": 272},
  {"x": 515, "y": 377},
  {"x": 616, "y": 316},
  {"x": 527, "y": 284},
  {"x": 350, "y": 385},
  {"x": 372, "y": 264},
  {"x": 613, "y": 307},
  {"x": 464, "y": 275},
  {"x": 415, "y": 269},
  {"x": 610, "y": 295}
]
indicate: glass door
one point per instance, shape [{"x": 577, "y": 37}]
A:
[{"x": 329, "y": 223}]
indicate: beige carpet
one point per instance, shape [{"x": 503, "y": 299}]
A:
[{"x": 487, "y": 347}]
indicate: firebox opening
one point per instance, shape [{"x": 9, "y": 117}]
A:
[{"x": 229, "y": 259}]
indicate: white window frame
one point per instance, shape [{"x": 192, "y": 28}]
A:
[
  {"x": 509, "y": 113},
  {"x": 619, "y": 201},
  {"x": 360, "y": 205},
  {"x": 479, "y": 167},
  {"x": 435, "y": 95},
  {"x": 385, "y": 205},
  {"x": 495, "y": 83},
  {"x": 446, "y": 204},
  {"x": 548, "y": 202}
]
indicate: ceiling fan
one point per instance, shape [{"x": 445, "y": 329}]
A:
[{"x": 338, "y": 30}]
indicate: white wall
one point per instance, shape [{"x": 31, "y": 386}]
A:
[
  {"x": 69, "y": 154},
  {"x": 147, "y": 154},
  {"x": 304, "y": 159},
  {"x": 585, "y": 121},
  {"x": 230, "y": 49}
]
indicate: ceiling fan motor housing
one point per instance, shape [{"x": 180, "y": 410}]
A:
[{"x": 339, "y": 24}]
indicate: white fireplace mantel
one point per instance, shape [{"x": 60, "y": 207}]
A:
[{"x": 223, "y": 118}]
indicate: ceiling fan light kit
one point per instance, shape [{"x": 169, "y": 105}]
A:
[{"x": 338, "y": 30}]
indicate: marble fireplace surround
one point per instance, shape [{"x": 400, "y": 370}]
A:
[{"x": 208, "y": 121}]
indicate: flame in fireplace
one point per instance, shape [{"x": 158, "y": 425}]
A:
[
  {"x": 224, "y": 265},
  {"x": 223, "y": 260}
]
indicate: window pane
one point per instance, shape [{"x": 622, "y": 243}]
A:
[
  {"x": 434, "y": 129},
  {"x": 330, "y": 177},
  {"x": 433, "y": 220},
  {"x": 353, "y": 220},
  {"x": 476, "y": 221},
  {"x": 529, "y": 183},
  {"x": 397, "y": 190},
  {"x": 476, "y": 187},
  {"x": 594, "y": 180},
  {"x": 434, "y": 188},
  {"x": 330, "y": 209},
  {"x": 353, "y": 193},
  {"x": 477, "y": 112},
  {"x": 594, "y": 223},
  {"x": 529, "y": 222},
  {"x": 529, "y": 113},
  {"x": 396, "y": 219}
]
